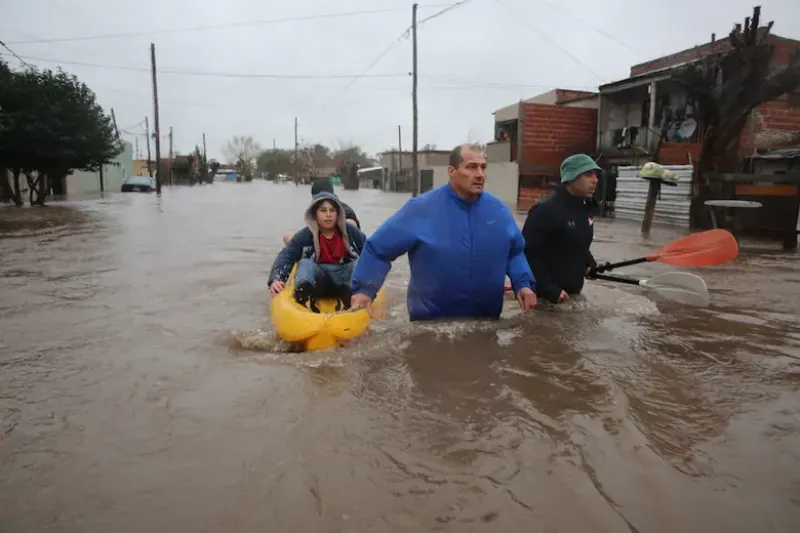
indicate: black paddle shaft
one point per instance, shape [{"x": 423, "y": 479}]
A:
[
  {"x": 620, "y": 279},
  {"x": 611, "y": 266}
]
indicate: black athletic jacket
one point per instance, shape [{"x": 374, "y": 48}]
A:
[{"x": 558, "y": 233}]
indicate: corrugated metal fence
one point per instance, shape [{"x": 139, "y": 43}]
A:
[{"x": 672, "y": 207}]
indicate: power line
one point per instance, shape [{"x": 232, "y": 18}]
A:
[
  {"x": 595, "y": 28},
  {"x": 364, "y": 73},
  {"x": 493, "y": 85},
  {"x": 443, "y": 11},
  {"x": 4, "y": 45},
  {"x": 451, "y": 84},
  {"x": 524, "y": 20},
  {"x": 383, "y": 54},
  {"x": 223, "y": 26},
  {"x": 181, "y": 72}
]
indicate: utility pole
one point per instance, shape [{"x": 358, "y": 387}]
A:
[
  {"x": 205, "y": 155},
  {"x": 400, "y": 147},
  {"x": 155, "y": 111},
  {"x": 414, "y": 162},
  {"x": 170, "y": 155},
  {"x": 136, "y": 142},
  {"x": 273, "y": 144},
  {"x": 295, "y": 151},
  {"x": 147, "y": 138},
  {"x": 114, "y": 119}
]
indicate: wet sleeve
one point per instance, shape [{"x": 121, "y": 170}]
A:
[
  {"x": 536, "y": 231},
  {"x": 396, "y": 236},
  {"x": 360, "y": 239},
  {"x": 518, "y": 269},
  {"x": 591, "y": 263},
  {"x": 291, "y": 254}
]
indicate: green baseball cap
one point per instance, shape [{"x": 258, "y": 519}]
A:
[{"x": 575, "y": 165}]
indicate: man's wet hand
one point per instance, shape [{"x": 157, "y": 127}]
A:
[
  {"x": 359, "y": 301},
  {"x": 526, "y": 298},
  {"x": 563, "y": 297}
]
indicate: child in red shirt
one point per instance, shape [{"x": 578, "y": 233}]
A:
[{"x": 325, "y": 252}]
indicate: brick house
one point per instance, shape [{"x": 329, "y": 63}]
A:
[
  {"x": 648, "y": 116},
  {"x": 533, "y": 136}
]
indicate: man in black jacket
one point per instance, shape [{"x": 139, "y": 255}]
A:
[{"x": 559, "y": 231}]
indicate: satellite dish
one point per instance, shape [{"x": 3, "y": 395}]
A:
[{"x": 687, "y": 128}]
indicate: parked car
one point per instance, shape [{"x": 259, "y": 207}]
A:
[{"x": 139, "y": 184}]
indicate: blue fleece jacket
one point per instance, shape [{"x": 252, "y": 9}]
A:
[{"x": 459, "y": 252}]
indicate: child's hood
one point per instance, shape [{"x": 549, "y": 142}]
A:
[{"x": 311, "y": 221}]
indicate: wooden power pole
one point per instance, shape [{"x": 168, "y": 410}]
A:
[
  {"x": 114, "y": 120},
  {"x": 147, "y": 139},
  {"x": 400, "y": 148},
  {"x": 414, "y": 162},
  {"x": 205, "y": 154},
  {"x": 170, "y": 155},
  {"x": 157, "y": 131},
  {"x": 294, "y": 167}
]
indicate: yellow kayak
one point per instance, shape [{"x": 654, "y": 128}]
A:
[{"x": 318, "y": 331}]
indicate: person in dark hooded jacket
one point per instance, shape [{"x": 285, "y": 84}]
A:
[
  {"x": 325, "y": 185},
  {"x": 325, "y": 252},
  {"x": 559, "y": 231}
]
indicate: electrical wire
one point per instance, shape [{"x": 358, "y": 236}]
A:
[
  {"x": 595, "y": 28},
  {"x": 458, "y": 82},
  {"x": 181, "y": 72},
  {"x": 406, "y": 33},
  {"x": 443, "y": 11},
  {"x": 225, "y": 25},
  {"x": 4, "y": 45},
  {"x": 519, "y": 17}
]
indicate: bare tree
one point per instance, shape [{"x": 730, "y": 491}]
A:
[
  {"x": 242, "y": 151},
  {"x": 728, "y": 85}
]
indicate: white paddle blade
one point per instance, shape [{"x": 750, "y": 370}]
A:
[{"x": 681, "y": 287}]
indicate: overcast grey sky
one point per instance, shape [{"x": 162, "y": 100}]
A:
[{"x": 473, "y": 59}]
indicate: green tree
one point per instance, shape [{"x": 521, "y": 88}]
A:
[
  {"x": 52, "y": 124},
  {"x": 274, "y": 162},
  {"x": 182, "y": 170},
  {"x": 352, "y": 154}
]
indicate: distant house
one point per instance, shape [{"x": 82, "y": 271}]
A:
[
  {"x": 81, "y": 182},
  {"x": 398, "y": 168},
  {"x": 532, "y": 137}
]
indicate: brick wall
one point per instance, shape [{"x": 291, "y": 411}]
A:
[
  {"x": 566, "y": 95},
  {"x": 772, "y": 124},
  {"x": 550, "y": 133},
  {"x": 783, "y": 49},
  {"x": 677, "y": 153}
]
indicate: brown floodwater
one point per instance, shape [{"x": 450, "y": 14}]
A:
[{"x": 141, "y": 388}]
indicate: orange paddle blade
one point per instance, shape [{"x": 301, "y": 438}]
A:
[{"x": 712, "y": 247}]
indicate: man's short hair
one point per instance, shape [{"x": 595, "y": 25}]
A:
[
  {"x": 321, "y": 185},
  {"x": 456, "y": 154}
]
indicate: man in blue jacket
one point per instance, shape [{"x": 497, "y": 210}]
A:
[{"x": 461, "y": 244}]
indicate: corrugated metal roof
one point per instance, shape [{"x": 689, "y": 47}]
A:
[{"x": 672, "y": 207}]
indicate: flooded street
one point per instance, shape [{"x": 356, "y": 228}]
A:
[{"x": 140, "y": 388}]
